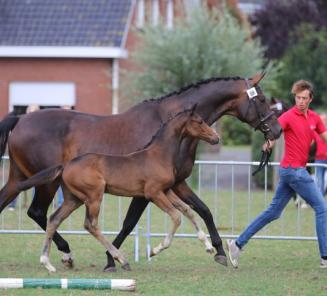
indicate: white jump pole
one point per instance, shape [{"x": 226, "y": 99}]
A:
[{"x": 113, "y": 284}]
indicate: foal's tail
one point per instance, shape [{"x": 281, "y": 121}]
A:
[
  {"x": 6, "y": 125},
  {"x": 41, "y": 178}
]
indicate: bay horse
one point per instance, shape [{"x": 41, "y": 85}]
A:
[
  {"x": 148, "y": 173},
  {"x": 46, "y": 138}
]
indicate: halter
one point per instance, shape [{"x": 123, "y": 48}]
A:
[{"x": 252, "y": 94}]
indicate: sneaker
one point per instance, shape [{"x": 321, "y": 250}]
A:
[
  {"x": 323, "y": 263},
  {"x": 11, "y": 209},
  {"x": 233, "y": 252},
  {"x": 304, "y": 205}
]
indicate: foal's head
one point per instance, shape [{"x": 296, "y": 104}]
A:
[{"x": 196, "y": 127}]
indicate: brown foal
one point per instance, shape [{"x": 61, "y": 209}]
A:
[{"x": 148, "y": 173}]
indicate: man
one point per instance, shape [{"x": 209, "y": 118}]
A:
[{"x": 298, "y": 124}]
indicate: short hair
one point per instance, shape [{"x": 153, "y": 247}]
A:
[{"x": 302, "y": 85}]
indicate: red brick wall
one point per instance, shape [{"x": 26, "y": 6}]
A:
[{"x": 92, "y": 78}]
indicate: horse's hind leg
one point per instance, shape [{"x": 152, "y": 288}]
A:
[
  {"x": 187, "y": 212},
  {"x": 38, "y": 212},
  {"x": 70, "y": 204},
  {"x": 10, "y": 191},
  {"x": 91, "y": 225},
  {"x": 164, "y": 204}
]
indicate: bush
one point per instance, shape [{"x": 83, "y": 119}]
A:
[{"x": 234, "y": 132}]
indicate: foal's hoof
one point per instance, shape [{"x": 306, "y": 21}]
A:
[
  {"x": 221, "y": 259},
  {"x": 110, "y": 269},
  {"x": 210, "y": 250},
  {"x": 126, "y": 266}
]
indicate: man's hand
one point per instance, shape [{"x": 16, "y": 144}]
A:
[{"x": 267, "y": 146}]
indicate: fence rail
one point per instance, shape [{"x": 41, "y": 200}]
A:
[{"x": 227, "y": 187}]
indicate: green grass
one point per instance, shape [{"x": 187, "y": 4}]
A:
[{"x": 267, "y": 267}]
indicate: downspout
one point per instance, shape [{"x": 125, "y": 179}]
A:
[{"x": 115, "y": 86}]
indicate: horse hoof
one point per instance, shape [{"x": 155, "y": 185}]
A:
[
  {"x": 126, "y": 266},
  {"x": 221, "y": 259},
  {"x": 69, "y": 263},
  {"x": 110, "y": 269}
]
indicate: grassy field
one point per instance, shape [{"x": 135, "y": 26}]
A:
[{"x": 267, "y": 267}]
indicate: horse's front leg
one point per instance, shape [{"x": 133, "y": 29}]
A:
[
  {"x": 38, "y": 212},
  {"x": 187, "y": 212},
  {"x": 134, "y": 213},
  {"x": 163, "y": 202},
  {"x": 183, "y": 191}
]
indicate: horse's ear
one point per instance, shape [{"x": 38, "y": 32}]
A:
[
  {"x": 273, "y": 100},
  {"x": 193, "y": 108},
  {"x": 256, "y": 78}
]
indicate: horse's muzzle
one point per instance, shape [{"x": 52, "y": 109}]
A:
[{"x": 214, "y": 141}]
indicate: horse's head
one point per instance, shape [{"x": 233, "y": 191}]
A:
[
  {"x": 196, "y": 127},
  {"x": 278, "y": 106},
  {"x": 253, "y": 108}
]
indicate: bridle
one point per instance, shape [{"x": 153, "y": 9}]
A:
[
  {"x": 252, "y": 94},
  {"x": 262, "y": 125}
]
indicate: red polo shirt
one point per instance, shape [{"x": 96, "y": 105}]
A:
[
  {"x": 321, "y": 152},
  {"x": 299, "y": 133}
]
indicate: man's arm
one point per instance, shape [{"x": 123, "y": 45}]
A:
[
  {"x": 323, "y": 136},
  {"x": 267, "y": 146}
]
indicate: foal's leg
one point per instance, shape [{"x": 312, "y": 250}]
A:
[
  {"x": 161, "y": 201},
  {"x": 135, "y": 210},
  {"x": 187, "y": 211},
  {"x": 187, "y": 195},
  {"x": 70, "y": 204},
  {"x": 38, "y": 212},
  {"x": 91, "y": 225}
]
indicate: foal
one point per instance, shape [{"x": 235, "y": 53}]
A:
[{"x": 148, "y": 173}]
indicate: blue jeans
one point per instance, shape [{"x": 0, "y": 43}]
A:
[
  {"x": 301, "y": 182},
  {"x": 320, "y": 173}
]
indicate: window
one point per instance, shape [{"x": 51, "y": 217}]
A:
[{"x": 41, "y": 93}]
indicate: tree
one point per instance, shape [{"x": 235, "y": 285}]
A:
[
  {"x": 207, "y": 44},
  {"x": 276, "y": 20},
  {"x": 306, "y": 60}
]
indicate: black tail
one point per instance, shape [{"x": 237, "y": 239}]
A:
[
  {"x": 6, "y": 125},
  {"x": 41, "y": 178}
]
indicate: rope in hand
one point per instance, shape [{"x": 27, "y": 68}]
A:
[{"x": 265, "y": 157}]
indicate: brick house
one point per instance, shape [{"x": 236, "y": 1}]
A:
[{"x": 59, "y": 53}]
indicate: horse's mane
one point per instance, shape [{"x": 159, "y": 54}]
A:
[
  {"x": 161, "y": 128},
  {"x": 192, "y": 85}
]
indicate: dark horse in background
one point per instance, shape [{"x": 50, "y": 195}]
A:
[{"x": 47, "y": 138}]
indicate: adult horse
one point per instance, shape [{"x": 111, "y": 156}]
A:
[
  {"x": 87, "y": 177},
  {"x": 47, "y": 138}
]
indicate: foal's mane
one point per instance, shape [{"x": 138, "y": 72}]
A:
[
  {"x": 192, "y": 85},
  {"x": 162, "y": 127}
]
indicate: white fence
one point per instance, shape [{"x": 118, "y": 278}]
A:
[{"x": 227, "y": 187}]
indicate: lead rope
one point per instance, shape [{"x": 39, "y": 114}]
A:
[{"x": 265, "y": 158}]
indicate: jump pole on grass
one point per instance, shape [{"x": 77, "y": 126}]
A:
[{"x": 113, "y": 284}]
